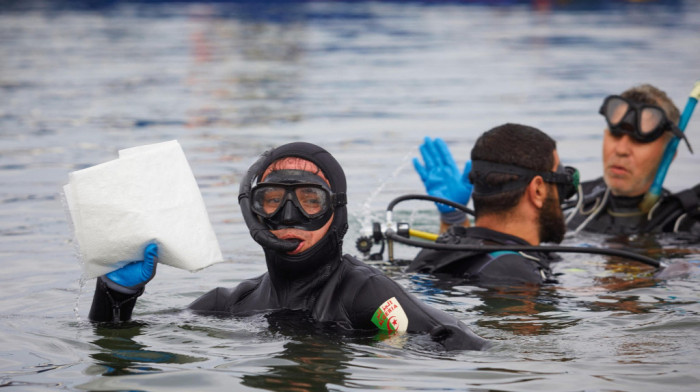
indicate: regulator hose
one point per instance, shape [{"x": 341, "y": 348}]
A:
[{"x": 392, "y": 235}]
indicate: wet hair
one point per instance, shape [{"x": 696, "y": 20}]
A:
[
  {"x": 304, "y": 164},
  {"x": 510, "y": 144},
  {"x": 648, "y": 94}
]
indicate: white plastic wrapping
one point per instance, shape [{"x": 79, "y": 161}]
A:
[{"x": 147, "y": 195}]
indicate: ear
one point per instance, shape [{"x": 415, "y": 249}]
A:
[{"x": 536, "y": 192}]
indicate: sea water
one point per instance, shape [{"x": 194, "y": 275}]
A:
[{"x": 367, "y": 81}]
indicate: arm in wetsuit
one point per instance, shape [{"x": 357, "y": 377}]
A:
[
  {"x": 381, "y": 303},
  {"x": 110, "y": 305},
  {"x": 244, "y": 298},
  {"x": 116, "y": 292}
]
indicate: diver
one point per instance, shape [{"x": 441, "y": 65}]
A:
[
  {"x": 518, "y": 183},
  {"x": 640, "y": 124},
  {"x": 293, "y": 200}
]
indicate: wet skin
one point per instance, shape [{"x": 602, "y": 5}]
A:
[{"x": 629, "y": 166}]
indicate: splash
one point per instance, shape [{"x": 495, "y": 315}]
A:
[
  {"x": 365, "y": 217},
  {"x": 76, "y": 251},
  {"x": 76, "y": 306}
]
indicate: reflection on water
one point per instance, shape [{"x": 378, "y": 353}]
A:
[
  {"x": 523, "y": 311},
  {"x": 304, "y": 365},
  {"x": 367, "y": 80},
  {"x": 120, "y": 354}
]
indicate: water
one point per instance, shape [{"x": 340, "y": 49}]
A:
[{"x": 366, "y": 80}]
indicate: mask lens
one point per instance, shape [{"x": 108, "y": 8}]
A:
[
  {"x": 314, "y": 201},
  {"x": 311, "y": 201},
  {"x": 651, "y": 119},
  {"x": 267, "y": 200},
  {"x": 615, "y": 110}
]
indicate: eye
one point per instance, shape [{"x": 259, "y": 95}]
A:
[
  {"x": 312, "y": 200},
  {"x": 272, "y": 200}
]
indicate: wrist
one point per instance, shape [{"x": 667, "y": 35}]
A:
[{"x": 119, "y": 288}]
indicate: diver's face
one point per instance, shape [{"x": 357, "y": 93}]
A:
[
  {"x": 307, "y": 238},
  {"x": 629, "y": 166}
]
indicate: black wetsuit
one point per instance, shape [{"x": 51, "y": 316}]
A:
[
  {"x": 346, "y": 295},
  {"x": 602, "y": 212},
  {"x": 333, "y": 289},
  {"x": 485, "y": 269}
]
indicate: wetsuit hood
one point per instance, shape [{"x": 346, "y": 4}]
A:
[{"x": 321, "y": 257}]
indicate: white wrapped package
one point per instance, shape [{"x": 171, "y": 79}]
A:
[{"x": 147, "y": 195}]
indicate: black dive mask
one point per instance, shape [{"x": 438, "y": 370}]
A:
[
  {"x": 566, "y": 178},
  {"x": 294, "y": 199},
  {"x": 643, "y": 122}
]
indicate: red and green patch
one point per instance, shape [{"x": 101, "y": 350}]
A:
[{"x": 390, "y": 317}]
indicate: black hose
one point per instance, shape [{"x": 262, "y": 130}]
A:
[
  {"x": 491, "y": 248},
  {"x": 390, "y": 234},
  {"x": 440, "y": 200}
]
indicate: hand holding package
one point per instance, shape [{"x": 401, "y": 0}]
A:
[{"x": 147, "y": 195}]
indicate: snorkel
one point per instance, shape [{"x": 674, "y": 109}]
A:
[{"x": 654, "y": 192}]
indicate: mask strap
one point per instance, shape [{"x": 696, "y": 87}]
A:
[
  {"x": 681, "y": 135},
  {"x": 482, "y": 169}
]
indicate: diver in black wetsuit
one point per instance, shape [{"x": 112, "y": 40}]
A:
[
  {"x": 293, "y": 201},
  {"x": 604, "y": 212},
  {"x": 641, "y": 122},
  {"x": 518, "y": 183}
]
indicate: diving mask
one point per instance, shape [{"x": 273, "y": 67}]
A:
[
  {"x": 566, "y": 178},
  {"x": 294, "y": 199},
  {"x": 643, "y": 122}
]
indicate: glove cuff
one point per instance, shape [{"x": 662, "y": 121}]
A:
[
  {"x": 119, "y": 288},
  {"x": 454, "y": 217}
]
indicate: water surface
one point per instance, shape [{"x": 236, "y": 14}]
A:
[{"x": 366, "y": 80}]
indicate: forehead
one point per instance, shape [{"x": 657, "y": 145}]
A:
[{"x": 294, "y": 163}]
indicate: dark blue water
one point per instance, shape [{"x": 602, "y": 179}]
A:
[{"x": 366, "y": 80}]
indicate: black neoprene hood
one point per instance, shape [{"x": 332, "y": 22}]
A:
[{"x": 307, "y": 151}]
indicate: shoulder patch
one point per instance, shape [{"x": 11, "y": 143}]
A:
[{"x": 390, "y": 317}]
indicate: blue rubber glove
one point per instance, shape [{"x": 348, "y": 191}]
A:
[
  {"x": 465, "y": 180},
  {"x": 133, "y": 277},
  {"x": 442, "y": 178}
]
